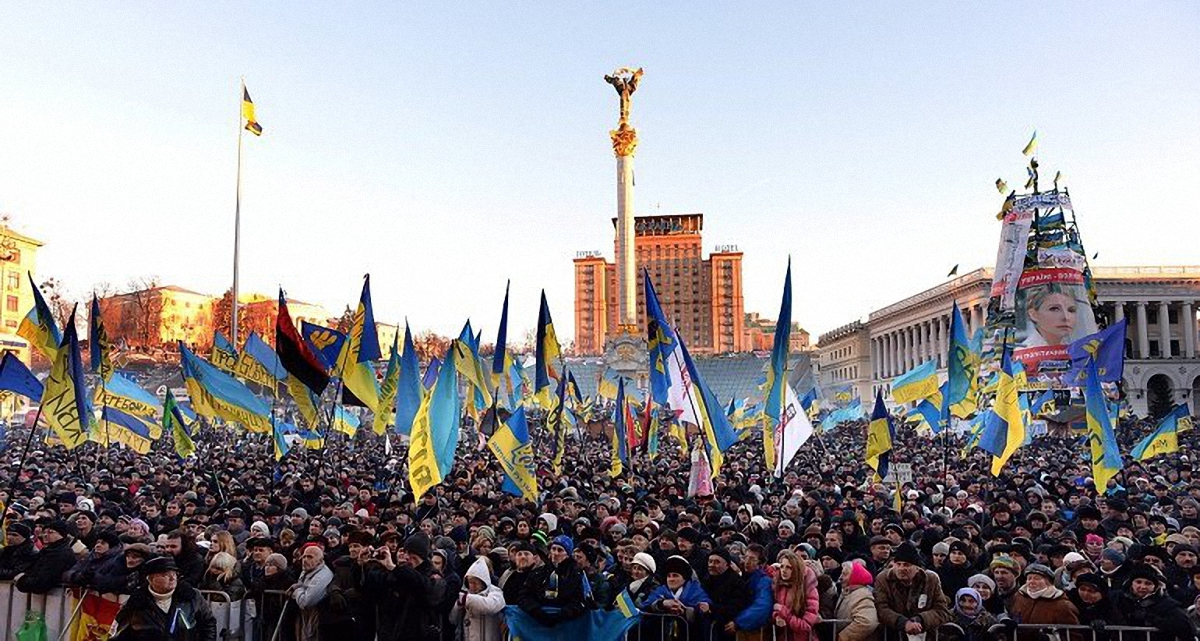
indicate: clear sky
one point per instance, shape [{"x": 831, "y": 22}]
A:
[{"x": 447, "y": 147}]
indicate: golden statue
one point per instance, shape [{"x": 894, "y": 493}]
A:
[{"x": 625, "y": 81}]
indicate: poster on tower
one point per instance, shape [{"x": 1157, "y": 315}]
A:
[{"x": 1052, "y": 311}]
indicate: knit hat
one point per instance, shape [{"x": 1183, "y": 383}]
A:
[
  {"x": 563, "y": 541},
  {"x": 976, "y": 579},
  {"x": 941, "y": 547},
  {"x": 859, "y": 574},
  {"x": 1144, "y": 571},
  {"x": 1183, "y": 548},
  {"x": 678, "y": 565},
  {"x": 646, "y": 561},
  {"x": 486, "y": 532},
  {"x": 1006, "y": 562},
  {"x": 907, "y": 553},
  {"x": 260, "y": 528},
  {"x": 58, "y": 526},
  {"x": 278, "y": 560},
  {"x": 551, "y": 521},
  {"x": 1115, "y": 556},
  {"x": 20, "y": 529},
  {"x": 1072, "y": 557},
  {"x": 1093, "y": 539},
  {"x": 418, "y": 545},
  {"x": 1092, "y": 579}
]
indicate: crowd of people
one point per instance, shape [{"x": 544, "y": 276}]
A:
[{"x": 330, "y": 544}]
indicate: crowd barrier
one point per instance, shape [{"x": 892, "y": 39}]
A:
[{"x": 1067, "y": 632}]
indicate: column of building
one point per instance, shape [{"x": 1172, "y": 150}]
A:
[
  {"x": 1187, "y": 323},
  {"x": 1143, "y": 334},
  {"x": 1164, "y": 329}
]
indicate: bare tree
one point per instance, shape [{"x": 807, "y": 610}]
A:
[
  {"x": 142, "y": 310},
  {"x": 60, "y": 302}
]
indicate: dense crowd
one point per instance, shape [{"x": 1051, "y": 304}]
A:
[{"x": 330, "y": 544}]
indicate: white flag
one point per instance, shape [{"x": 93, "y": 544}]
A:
[{"x": 793, "y": 431}]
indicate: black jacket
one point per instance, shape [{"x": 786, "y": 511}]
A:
[
  {"x": 189, "y": 617},
  {"x": 408, "y": 601},
  {"x": 729, "y": 595},
  {"x": 348, "y": 608},
  {"x": 1157, "y": 610},
  {"x": 15, "y": 559},
  {"x": 553, "y": 594},
  {"x": 114, "y": 576},
  {"x": 48, "y": 568}
]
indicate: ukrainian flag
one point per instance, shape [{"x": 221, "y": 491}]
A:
[
  {"x": 224, "y": 355},
  {"x": 547, "y": 354},
  {"x": 409, "y": 390},
  {"x": 513, "y": 449},
  {"x": 880, "y": 434},
  {"x": 777, "y": 373},
  {"x": 64, "y": 400},
  {"x": 1106, "y": 456},
  {"x": 359, "y": 351},
  {"x": 620, "y": 435},
  {"x": 1008, "y": 420},
  {"x": 98, "y": 342},
  {"x": 387, "y": 392},
  {"x": 435, "y": 431},
  {"x": 281, "y": 444},
  {"x": 344, "y": 422},
  {"x": 125, "y": 395},
  {"x": 917, "y": 384},
  {"x": 38, "y": 326},
  {"x": 181, "y": 431},
  {"x": 1164, "y": 439},
  {"x": 718, "y": 434},
  {"x": 962, "y": 371},
  {"x": 216, "y": 394},
  {"x": 500, "y": 356},
  {"x": 1032, "y": 145},
  {"x": 1106, "y": 348},
  {"x": 135, "y": 432}
]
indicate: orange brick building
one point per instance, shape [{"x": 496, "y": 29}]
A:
[{"x": 701, "y": 297}]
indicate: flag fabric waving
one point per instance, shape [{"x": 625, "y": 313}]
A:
[
  {"x": 435, "y": 431},
  {"x": 325, "y": 343},
  {"x": 620, "y": 437},
  {"x": 1106, "y": 347},
  {"x": 98, "y": 344},
  {"x": 65, "y": 399},
  {"x": 224, "y": 355},
  {"x": 38, "y": 326},
  {"x": 917, "y": 384},
  {"x": 180, "y": 428},
  {"x": 1164, "y": 439},
  {"x": 15, "y": 377},
  {"x": 962, "y": 370},
  {"x": 294, "y": 353},
  {"x": 777, "y": 384},
  {"x": 248, "y": 114},
  {"x": 499, "y": 358},
  {"x": 880, "y": 434},
  {"x": 513, "y": 449},
  {"x": 385, "y": 415},
  {"x": 546, "y": 354},
  {"x": 360, "y": 350},
  {"x": 1007, "y": 422},
  {"x": 216, "y": 394},
  {"x": 1106, "y": 456},
  {"x": 409, "y": 391}
]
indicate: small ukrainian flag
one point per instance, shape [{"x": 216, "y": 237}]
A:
[
  {"x": 248, "y": 113},
  {"x": 1032, "y": 146}
]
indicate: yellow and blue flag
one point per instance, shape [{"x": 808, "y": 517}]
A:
[
  {"x": 470, "y": 366},
  {"x": 777, "y": 373},
  {"x": 259, "y": 364},
  {"x": 620, "y": 436},
  {"x": 500, "y": 357},
  {"x": 251, "y": 120},
  {"x": 344, "y": 421},
  {"x": 278, "y": 431},
  {"x": 409, "y": 390},
  {"x": 546, "y": 354},
  {"x": 15, "y": 377},
  {"x": 218, "y": 395},
  {"x": 1043, "y": 404},
  {"x": 224, "y": 355},
  {"x": 714, "y": 427},
  {"x": 1007, "y": 422},
  {"x": 65, "y": 399},
  {"x": 1164, "y": 439},
  {"x": 137, "y": 433},
  {"x": 324, "y": 342},
  {"x": 851, "y": 412},
  {"x": 129, "y": 397},
  {"x": 1032, "y": 145},
  {"x": 38, "y": 326},
  {"x": 361, "y": 349},
  {"x": 1106, "y": 456},
  {"x": 556, "y": 423},
  {"x": 880, "y": 434},
  {"x": 917, "y": 384},
  {"x": 962, "y": 370},
  {"x": 435, "y": 431},
  {"x": 306, "y": 401},
  {"x": 1106, "y": 348},
  {"x": 99, "y": 347},
  {"x": 180, "y": 427},
  {"x": 385, "y": 415},
  {"x": 513, "y": 449}
]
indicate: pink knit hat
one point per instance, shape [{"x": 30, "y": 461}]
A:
[{"x": 859, "y": 575}]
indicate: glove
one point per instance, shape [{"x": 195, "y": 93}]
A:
[{"x": 1009, "y": 624}]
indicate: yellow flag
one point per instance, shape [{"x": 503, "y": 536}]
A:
[
  {"x": 248, "y": 113},
  {"x": 64, "y": 399},
  {"x": 423, "y": 472}
]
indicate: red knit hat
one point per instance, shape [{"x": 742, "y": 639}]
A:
[{"x": 859, "y": 575}]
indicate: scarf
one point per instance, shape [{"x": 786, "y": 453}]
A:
[{"x": 163, "y": 601}]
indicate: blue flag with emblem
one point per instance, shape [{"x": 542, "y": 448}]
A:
[
  {"x": 326, "y": 343},
  {"x": 1106, "y": 347}
]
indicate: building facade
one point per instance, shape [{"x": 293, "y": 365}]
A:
[
  {"x": 1160, "y": 304},
  {"x": 152, "y": 319},
  {"x": 18, "y": 257},
  {"x": 701, "y": 296},
  {"x": 759, "y": 335}
]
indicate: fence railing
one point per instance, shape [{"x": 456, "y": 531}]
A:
[{"x": 1065, "y": 632}]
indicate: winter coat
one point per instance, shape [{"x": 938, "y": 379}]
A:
[
  {"x": 348, "y": 610},
  {"x": 1051, "y": 608},
  {"x": 553, "y": 594},
  {"x": 48, "y": 568},
  {"x": 857, "y": 605},
  {"x": 479, "y": 614},
  {"x": 1102, "y": 610},
  {"x": 642, "y": 594},
  {"x": 757, "y": 614},
  {"x": 954, "y": 577},
  {"x": 189, "y": 616},
  {"x": 1157, "y": 610},
  {"x": 798, "y": 623},
  {"x": 923, "y": 599},
  {"x": 115, "y": 577},
  {"x": 15, "y": 559},
  {"x": 191, "y": 567},
  {"x": 83, "y": 573},
  {"x": 408, "y": 600},
  {"x": 308, "y": 593},
  {"x": 729, "y": 596},
  {"x": 233, "y": 587},
  {"x": 977, "y": 629}
]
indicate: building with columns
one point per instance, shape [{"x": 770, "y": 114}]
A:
[{"x": 1160, "y": 302}]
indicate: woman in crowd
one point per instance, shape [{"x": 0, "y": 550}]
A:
[
  {"x": 857, "y": 604},
  {"x": 223, "y": 576},
  {"x": 796, "y": 598}
]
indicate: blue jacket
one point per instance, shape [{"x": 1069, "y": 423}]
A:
[{"x": 762, "y": 603}]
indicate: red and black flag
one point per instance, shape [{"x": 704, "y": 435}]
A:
[{"x": 294, "y": 353}]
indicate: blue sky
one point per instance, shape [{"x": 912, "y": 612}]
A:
[{"x": 447, "y": 147}]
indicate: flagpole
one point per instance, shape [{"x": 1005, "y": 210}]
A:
[{"x": 237, "y": 223}]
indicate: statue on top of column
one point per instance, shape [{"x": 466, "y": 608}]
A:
[{"x": 625, "y": 81}]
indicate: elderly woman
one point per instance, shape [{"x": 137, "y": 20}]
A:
[{"x": 1038, "y": 602}]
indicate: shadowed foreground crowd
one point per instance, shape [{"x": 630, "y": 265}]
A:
[{"x": 330, "y": 545}]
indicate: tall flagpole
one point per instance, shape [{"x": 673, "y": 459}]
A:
[{"x": 237, "y": 223}]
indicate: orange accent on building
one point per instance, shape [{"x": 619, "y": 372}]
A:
[{"x": 701, "y": 297}]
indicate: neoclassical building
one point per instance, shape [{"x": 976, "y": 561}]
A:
[{"x": 1160, "y": 304}]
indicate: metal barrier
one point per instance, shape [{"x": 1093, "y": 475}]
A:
[
  {"x": 262, "y": 617},
  {"x": 227, "y": 612},
  {"x": 1001, "y": 631},
  {"x": 669, "y": 627}
]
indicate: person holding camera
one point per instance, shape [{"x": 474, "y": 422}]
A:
[
  {"x": 407, "y": 594},
  {"x": 479, "y": 605}
]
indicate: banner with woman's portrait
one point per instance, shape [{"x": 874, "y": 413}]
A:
[{"x": 1052, "y": 310}]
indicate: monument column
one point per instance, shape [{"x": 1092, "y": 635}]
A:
[{"x": 624, "y": 142}]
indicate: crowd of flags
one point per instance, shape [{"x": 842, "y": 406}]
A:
[{"x": 309, "y": 360}]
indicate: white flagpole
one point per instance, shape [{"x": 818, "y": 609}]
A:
[{"x": 237, "y": 222}]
